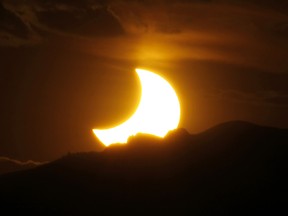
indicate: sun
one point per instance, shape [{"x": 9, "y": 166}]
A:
[{"x": 158, "y": 111}]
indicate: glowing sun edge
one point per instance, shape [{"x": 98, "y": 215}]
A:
[{"x": 158, "y": 112}]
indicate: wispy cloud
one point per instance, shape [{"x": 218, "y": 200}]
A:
[
  {"x": 236, "y": 33},
  {"x": 8, "y": 165},
  {"x": 22, "y": 163},
  {"x": 266, "y": 98}
]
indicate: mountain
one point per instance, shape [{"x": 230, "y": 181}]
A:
[{"x": 234, "y": 168}]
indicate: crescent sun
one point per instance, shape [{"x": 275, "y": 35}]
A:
[{"x": 158, "y": 111}]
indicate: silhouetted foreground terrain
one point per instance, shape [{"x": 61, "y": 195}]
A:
[{"x": 235, "y": 168}]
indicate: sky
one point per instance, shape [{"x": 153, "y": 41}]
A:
[{"x": 68, "y": 66}]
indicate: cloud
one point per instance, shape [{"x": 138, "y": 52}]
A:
[
  {"x": 12, "y": 165},
  {"x": 112, "y": 17},
  {"x": 29, "y": 162},
  {"x": 277, "y": 99},
  {"x": 215, "y": 30},
  {"x": 62, "y": 17},
  {"x": 13, "y": 31},
  {"x": 265, "y": 98}
]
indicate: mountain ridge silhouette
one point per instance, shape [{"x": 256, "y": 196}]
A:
[{"x": 232, "y": 168}]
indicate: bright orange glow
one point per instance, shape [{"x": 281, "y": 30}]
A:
[{"x": 157, "y": 113}]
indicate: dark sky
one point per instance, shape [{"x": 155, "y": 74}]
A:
[{"x": 68, "y": 66}]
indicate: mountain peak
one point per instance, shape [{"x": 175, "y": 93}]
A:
[{"x": 179, "y": 133}]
